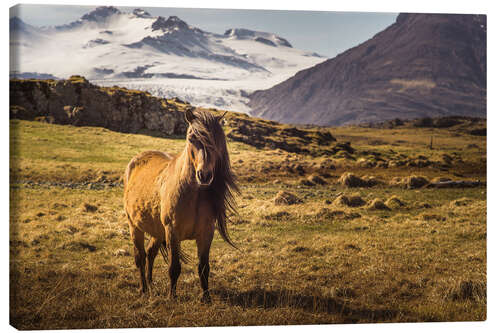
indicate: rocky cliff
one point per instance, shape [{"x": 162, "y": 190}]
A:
[{"x": 77, "y": 102}]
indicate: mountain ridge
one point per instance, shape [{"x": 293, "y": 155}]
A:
[
  {"x": 159, "y": 35},
  {"x": 166, "y": 56},
  {"x": 422, "y": 65}
]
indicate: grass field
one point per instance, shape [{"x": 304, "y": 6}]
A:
[{"x": 317, "y": 261}]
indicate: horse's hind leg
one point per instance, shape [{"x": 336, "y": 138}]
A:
[
  {"x": 151, "y": 253},
  {"x": 203, "y": 243},
  {"x": 139, "y": 254}
]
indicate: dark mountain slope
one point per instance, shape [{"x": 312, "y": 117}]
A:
[{"x": 422, "y": 65}]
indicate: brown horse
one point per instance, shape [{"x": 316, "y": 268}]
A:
[{"x": 178, "y": 198}]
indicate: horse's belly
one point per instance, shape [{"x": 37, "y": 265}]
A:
[
  {"x": 149, "y": 221},
  {"x": 141, "y": 197},
  {"x": 146, "y": 217},
  {"x": 143, "y": 207}
]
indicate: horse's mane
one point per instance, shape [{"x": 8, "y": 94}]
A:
[{"x": 208, "y": 130}]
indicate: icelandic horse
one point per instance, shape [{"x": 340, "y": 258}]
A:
[{"x": 176, "y": 198}]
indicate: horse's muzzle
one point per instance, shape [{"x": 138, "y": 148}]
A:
[{"x": 204, "y": 178}]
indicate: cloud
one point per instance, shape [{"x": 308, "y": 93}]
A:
[{"x": 40, "y": 15}]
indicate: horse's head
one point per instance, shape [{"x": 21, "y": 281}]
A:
[{"x": 204, "y": 144}]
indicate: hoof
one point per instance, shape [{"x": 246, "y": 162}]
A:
[{"x": 206, "y": 299}]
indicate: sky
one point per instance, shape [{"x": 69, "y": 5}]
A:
[{"x": 323, "y": 32}]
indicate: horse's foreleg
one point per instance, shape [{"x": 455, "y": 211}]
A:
[
  {"x": 139, "y": 254},
  {"x": 175, "y": 265},
  {"x": 203, "y": 242},
  {"x": 152, "y": 252}
]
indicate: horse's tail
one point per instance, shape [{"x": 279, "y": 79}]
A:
[{"x": 165, "y": 251}]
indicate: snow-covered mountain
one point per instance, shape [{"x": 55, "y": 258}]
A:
[{"x": 164, "y": 56}]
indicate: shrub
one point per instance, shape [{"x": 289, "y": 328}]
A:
[
  {"x": 350, "y": 180},
  {"x": 394, "y": 202},
  {"x": 416, "y": 182},
  {"x": 352, "y": 201},
  {"x": 377, "y": 204},
  {"x": 286, "y": 198}
]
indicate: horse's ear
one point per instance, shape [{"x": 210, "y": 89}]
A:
[
  {"x": 221, "y": 118},
  {"x": 189, "y": 115}
]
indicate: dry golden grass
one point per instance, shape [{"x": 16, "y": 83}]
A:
[{"x": 316, "y": 261}]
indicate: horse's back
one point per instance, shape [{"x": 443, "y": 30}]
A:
[
  {"x": 146, "y": 162},
  {"x": 141, "y": 193}
]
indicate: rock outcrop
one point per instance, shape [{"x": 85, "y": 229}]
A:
[{"x": 77, "y": 102}]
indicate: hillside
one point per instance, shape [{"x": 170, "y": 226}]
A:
[
  {"x": 424, "y": 65},
  {"x": 78, "y": 102},
  {"x": 393, "y": 144}
]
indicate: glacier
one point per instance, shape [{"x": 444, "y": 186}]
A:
[{"x": 164, "y": 56}]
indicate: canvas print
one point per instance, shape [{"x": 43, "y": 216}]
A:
[{"x": 216, "y": 167}]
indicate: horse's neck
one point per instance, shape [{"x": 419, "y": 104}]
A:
[
  {"x": 184, "y": 173},
  {"x": 177, "y": 185}
]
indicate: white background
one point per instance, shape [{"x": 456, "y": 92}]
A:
[{"x": 426, "y": 6}]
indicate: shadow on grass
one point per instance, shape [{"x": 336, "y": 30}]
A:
[{"x": 316, "y": 304}]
